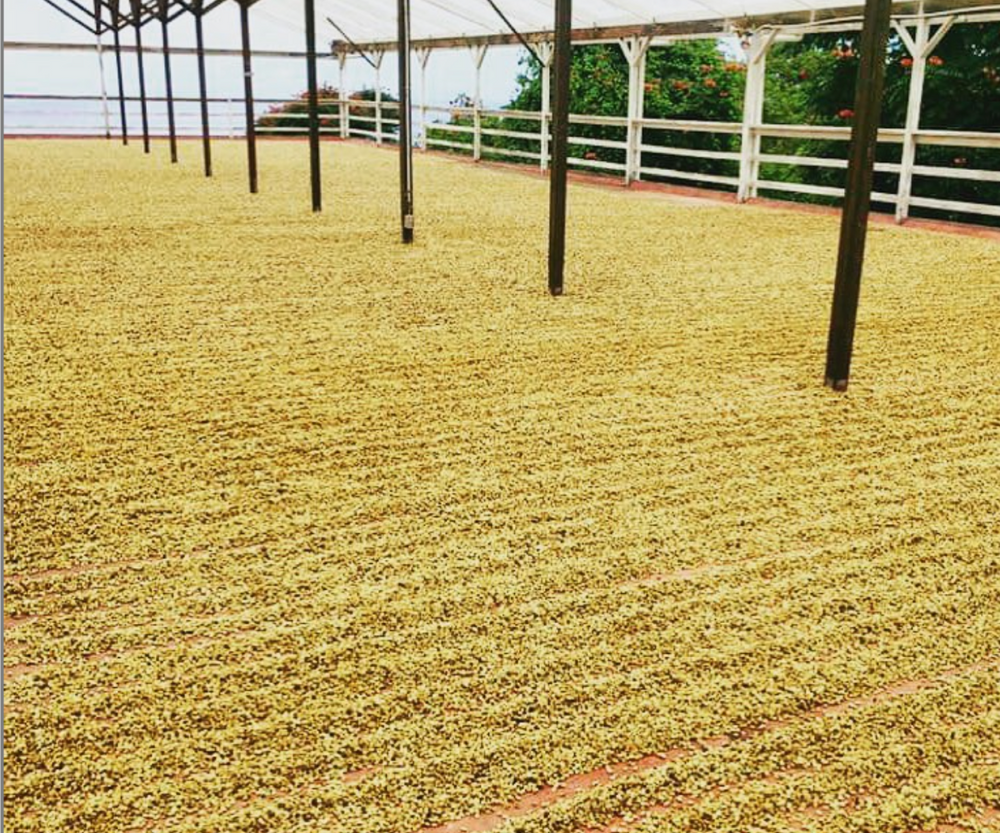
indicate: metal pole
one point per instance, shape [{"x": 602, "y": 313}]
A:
[
  {"x": 857, "y": 200},
  {"x": 248, "y": 96},
  {"x": 169, "y": 83},
  {"x": 314, "y": 160},
  {"x": 405, "y": 116},
  {"x": 206, "y": 141},
  {"x": 560, "y": 147},
  {"x": 121, "y": 86},
  {"x": 105, "y": 111},
  {"x": 144, "y": 109}
]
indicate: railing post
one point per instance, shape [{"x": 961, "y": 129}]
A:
[
  {"x": 344, "y": 113},
  {"x": 919, "y": 48},
  {"x": 105, "y": 111},
  {"x": 635, "y": 49},
  {"x": 121, "y": 86},
  {"x": 377, "y": 58},
  {"x": 753, "y": 113},
  {"x": 544, "y": 51},
  {"x": 478, "y": 54},
  {"x": 423, "y": 56}
]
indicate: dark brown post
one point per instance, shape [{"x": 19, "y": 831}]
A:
[
  {"x": 314, "y": 149},
  {"x": 405, "y": 116},
  {"x": 248, "y": 95},
  {"x": 560, "y": 146},
  {"x": 137, "y": 20},
  {"x": 121, "y": 75},
  {"x": 199, "y": 33},
  {"x": 857, "y": 199},
  {"x": 168, "y": 82}
]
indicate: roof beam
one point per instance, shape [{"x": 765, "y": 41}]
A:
[{"x": 708, "y": 27}]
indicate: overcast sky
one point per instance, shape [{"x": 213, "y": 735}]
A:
[{"x": 449, "y": 72}]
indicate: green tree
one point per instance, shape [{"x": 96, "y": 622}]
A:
[
  {"x": 813, "y": 82},
  {"x": 810, "y": 82},
  {"x": 688, "y": 80}
]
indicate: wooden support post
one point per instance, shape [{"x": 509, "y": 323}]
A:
[
  {"x": 560, "y": 146},
  {"x": 635, "y": 49},
  {"x": 206, "y": 136},
  {"x": 478, "y": 55},
  {"x": 405, "y": 118},
  {"x": 313, "y": 86},
  {"x": 251, "y": 130},
  {"x": 753, "y": 113},
  {"x": 423, "y": 56},
  {"x": 344, "y": 108},
  {"x": 143, "y": 107},
  {"x": 544, "y": 50},
  {"x": 857, "y": 199},
  {"x": 121, "y": 85},
  {"x": 168, "y": 82}
]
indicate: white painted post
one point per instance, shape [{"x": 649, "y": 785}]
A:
[
  {"x": 423, "y": 56},
  {"x": 635, "y": 49},
  {"x": 104, "y": 90},
  {"x": 344, "y": 114},
  {"x": 377, "y": 56},
  {"x": 753, "y": 113},
  {"x": 478, "y": 54},
  {"x": 920, "y": 46},
  {"x": 544, "y": 51}
]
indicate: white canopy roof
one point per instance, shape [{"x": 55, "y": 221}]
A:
[{"x": 371, "y": 22}]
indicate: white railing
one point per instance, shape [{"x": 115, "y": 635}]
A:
[
  {"x": 378, "y": 121},
  {"x": 651, "y": 158}
]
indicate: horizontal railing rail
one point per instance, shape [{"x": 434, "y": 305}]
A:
[{"x": 497, "y": 134}]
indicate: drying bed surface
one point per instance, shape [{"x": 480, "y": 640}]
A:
[{"x": 307, "y": 530}]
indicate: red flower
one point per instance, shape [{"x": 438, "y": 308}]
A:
[
  {"x": 846, "y": 113},
  {"x": 935, "y": 60},
  {"x": 706, "y": 68},
  {"x": 711, "y": 82},
  {"x": 803, "y": 75},
  {"x": 906, "y": 63},
  {"x": 590, "y": 155}
]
